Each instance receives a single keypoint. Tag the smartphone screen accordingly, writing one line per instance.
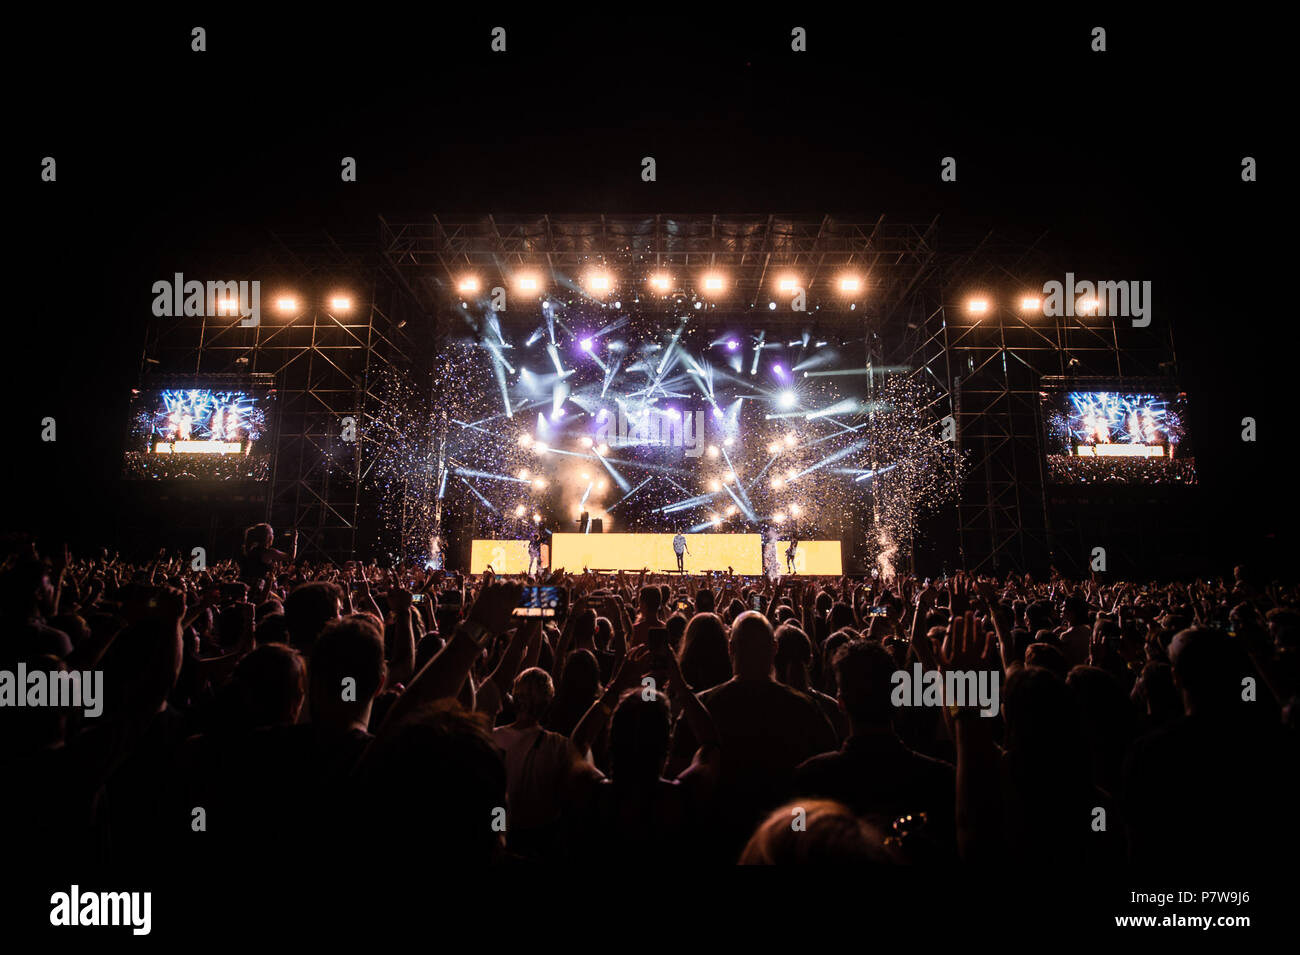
(539, 602)
(756, 601)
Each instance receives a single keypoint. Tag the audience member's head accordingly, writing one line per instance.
(705, 657)
(816, 832)
(346, 672)
(533, 693)
(753, 647)
(308, 609)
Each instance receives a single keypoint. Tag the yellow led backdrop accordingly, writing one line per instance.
(814, 558)
(506, 557)
(573, 552)
(634, 551)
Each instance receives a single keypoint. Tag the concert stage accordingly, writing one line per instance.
(633, 552)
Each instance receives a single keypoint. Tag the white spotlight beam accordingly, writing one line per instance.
(629, 494)
(758, 350)
(480, 496)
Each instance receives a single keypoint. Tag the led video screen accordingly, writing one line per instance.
(198, 433)
(1113, 437)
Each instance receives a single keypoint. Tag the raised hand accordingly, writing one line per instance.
(969, 648)
(495, 606)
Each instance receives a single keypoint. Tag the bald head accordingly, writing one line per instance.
(753, 646)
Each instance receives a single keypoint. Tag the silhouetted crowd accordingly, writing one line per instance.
(274, 711)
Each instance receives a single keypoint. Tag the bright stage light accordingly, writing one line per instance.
(602, 484)
(228, 306)
(539, 483)
(541, 447)
(341, 303)
(791, 474)
(599, 282)
(602, 449)
(525, 439)
(528, 283)
(715, 520)
(1088, 306)
(537, 518)
(771, 306)
(977, 306)
(779, 517)
(520, 511)
(731, 510)
(790, 440)
(523, 474)
(661, 281)
(787, 283)
(732, 344)
(786, 399)
(713, 451)
(286, 304)
(586, 476)
(796, 510)
(728, 441)
(774, 448)
(713, 283)
(715, 485)
(850, 283)
(1030, 304)
(776, 483)
(467, 284)
(588, 344)
(729, 477)
(586, 441)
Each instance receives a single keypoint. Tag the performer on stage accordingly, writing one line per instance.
(791, 550)
(436, 552)
(535, 551)
(681, 550)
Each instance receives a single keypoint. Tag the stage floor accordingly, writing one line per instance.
(632, 552)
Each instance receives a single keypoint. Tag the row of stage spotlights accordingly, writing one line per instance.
(601, 283)
(712, 283)
(1030, 303)
(288, 304)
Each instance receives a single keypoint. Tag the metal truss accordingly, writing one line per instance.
(321, 360)
(753, 249)
(989, 372)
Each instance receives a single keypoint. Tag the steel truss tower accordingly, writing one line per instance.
(321, 356)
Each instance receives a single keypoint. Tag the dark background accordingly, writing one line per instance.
(170, 161)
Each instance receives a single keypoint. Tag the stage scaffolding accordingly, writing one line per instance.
(910, 318)
(321, 360)
(989, 372)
